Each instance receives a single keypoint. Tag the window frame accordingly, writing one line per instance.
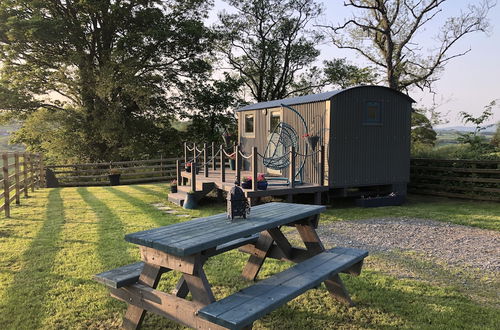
(370, 122)
(244, 132)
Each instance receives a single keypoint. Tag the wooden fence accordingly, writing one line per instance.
(470, 179)
(20, 173)
(96, 174)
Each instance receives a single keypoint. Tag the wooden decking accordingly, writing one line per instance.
(214, 177)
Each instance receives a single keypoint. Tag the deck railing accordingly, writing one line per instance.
(199, 160)
(470, 179)
(20, 173)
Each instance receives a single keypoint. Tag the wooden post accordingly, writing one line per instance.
(25, 174)
(18, 189)
(254, 168)
(238, 164)
(32, 173)
(291, 168)
(193, 176)
(205, 159)
(214, 161)
(178, 172)
(322, 166)
(42, 172)
(6, 185)
(185, 153)
(222, 164)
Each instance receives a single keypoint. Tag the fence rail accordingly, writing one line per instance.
(20, 173)
(470, 179)
(97, 174)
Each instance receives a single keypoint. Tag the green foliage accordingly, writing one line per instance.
(210, 103)
(339, 72)
(478, 144)
(103, 68)
(267, 44)
(422, 132)
(495, 141)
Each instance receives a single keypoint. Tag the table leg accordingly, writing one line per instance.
(336, 287)
(258, 255)
(199, 287)
(310, 237)
(134, 315)
(181, 289)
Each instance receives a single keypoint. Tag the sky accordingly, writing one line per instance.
(468, 83)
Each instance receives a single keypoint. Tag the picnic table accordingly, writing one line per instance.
(185, 247)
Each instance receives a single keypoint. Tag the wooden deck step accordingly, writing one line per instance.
(129, 274)
(244, 307)
(177, 198)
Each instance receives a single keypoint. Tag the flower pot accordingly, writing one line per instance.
(247, 184)
(190, 202)
(395, 200)
(114, 179)
(173, 189)
(232, 164)
(312, 141)
(262, 185)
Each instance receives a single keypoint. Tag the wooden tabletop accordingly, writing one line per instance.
(191, 237)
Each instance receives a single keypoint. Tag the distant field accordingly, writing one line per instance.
(5, 132)
(445, 137)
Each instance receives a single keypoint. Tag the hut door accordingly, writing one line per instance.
(274, 117)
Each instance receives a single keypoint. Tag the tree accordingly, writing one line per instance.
(267, 43)
(495, 141)
(106, 65)
(210, 102)
(384, 32)
(339, 72)
(422, 132)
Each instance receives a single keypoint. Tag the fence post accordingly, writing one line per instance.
(322, 166)
(25, 174)
(238, 164)
(42, 172)
(5, 159)
(185, 153)
(214, 161)
(254, 168)
(178, 172)
(193, 176)
(205, 159)
(291, 168)
(222, 164)
(32, 176)
(18, 192)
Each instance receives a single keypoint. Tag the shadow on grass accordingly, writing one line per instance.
(31, 284)
(384, 302)
(111, 247)
(157, 216)
(148, 191)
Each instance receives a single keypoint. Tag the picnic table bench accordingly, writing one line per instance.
(185, 247)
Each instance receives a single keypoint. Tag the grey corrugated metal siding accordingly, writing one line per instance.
(363, 155)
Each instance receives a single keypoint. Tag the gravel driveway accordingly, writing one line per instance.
(452, 244)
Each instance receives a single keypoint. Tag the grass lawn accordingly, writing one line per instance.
(58, 238)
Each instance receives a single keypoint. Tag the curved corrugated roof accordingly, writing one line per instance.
(310, 99)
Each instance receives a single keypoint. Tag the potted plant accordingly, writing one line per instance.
(114, 177)
(189, 166)
(261, 182)
(190, 202)
(393, 199)
(232, 161)
(312, 140)
(173, 186)
(247, 183)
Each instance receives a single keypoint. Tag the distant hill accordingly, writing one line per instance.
(5, 132)
(491, 129)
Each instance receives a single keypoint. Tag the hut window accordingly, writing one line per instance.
(373, 115)
(249, 124)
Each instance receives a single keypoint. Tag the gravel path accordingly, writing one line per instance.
(453, 244)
